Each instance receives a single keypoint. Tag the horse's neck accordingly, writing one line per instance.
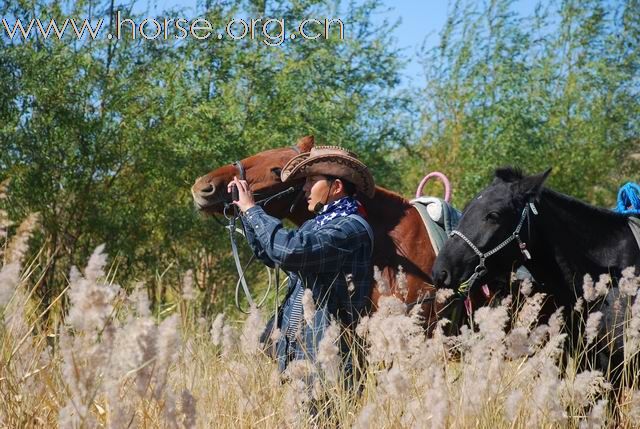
(576, 239)
(401, 240)
(386, 208)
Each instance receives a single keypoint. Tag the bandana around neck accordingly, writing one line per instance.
(338, 208)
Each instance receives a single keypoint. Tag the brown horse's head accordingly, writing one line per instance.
(262, 172)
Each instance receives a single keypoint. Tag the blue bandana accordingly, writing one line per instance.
(342, 207)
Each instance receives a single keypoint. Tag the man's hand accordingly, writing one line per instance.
(245, 196)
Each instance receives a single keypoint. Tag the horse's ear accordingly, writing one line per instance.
(531, 186)
(507, 174)
(305, 143)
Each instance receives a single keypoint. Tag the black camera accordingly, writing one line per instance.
(235, 195)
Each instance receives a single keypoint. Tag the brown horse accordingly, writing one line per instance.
(400, 238)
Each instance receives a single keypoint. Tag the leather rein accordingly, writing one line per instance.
(232, 214)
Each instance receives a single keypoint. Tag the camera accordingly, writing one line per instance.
(235, 195)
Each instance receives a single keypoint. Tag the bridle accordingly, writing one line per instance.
(232, 214)
(481, 269)
(229, 206)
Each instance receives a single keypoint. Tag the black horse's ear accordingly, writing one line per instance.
(508, 174)
(531, 186)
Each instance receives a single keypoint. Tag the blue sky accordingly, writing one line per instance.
(420, 20)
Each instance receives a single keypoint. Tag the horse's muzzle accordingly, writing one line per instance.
(442, 279)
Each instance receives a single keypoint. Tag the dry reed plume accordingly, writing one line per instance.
(110, 362)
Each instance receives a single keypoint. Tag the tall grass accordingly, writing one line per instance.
(106, 361)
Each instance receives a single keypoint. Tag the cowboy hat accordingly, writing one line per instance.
(331, 161)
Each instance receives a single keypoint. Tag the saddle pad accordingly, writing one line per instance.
(439, 217)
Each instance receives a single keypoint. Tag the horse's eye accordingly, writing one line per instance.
(276, 171)
(493, 216)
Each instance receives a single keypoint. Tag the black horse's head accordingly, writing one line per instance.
(488, 238)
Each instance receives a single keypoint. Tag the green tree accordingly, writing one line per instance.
(104, 137)
(558, 88)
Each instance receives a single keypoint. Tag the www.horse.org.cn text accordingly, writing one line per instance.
(270, 31)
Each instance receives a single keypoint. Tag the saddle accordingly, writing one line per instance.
(439, 217)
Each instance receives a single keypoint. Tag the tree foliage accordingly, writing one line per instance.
(104, 137)
(558, 88)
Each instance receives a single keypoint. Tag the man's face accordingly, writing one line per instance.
(316, 190)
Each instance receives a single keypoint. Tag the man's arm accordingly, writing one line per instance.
(255, 245)
(322, 250)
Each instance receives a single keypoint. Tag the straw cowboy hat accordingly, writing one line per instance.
(331, 161)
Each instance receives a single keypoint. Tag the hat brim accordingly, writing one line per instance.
(290, 166)
(331, 165)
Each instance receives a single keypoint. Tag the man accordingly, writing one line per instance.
(330, 254)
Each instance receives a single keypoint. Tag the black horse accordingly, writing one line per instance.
(516, 221)
(557, 238)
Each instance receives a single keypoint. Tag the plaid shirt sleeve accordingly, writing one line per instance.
(321, 250)
(254, 243)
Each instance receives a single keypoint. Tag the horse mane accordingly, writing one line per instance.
(386, 205)
(387, 195)
(514, 174)
(576, 205)
(511, 174)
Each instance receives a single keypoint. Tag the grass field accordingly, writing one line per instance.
(107, 361)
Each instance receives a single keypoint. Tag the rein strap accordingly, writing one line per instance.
(234, 247)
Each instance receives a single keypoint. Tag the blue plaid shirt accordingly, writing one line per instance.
(333, 260)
